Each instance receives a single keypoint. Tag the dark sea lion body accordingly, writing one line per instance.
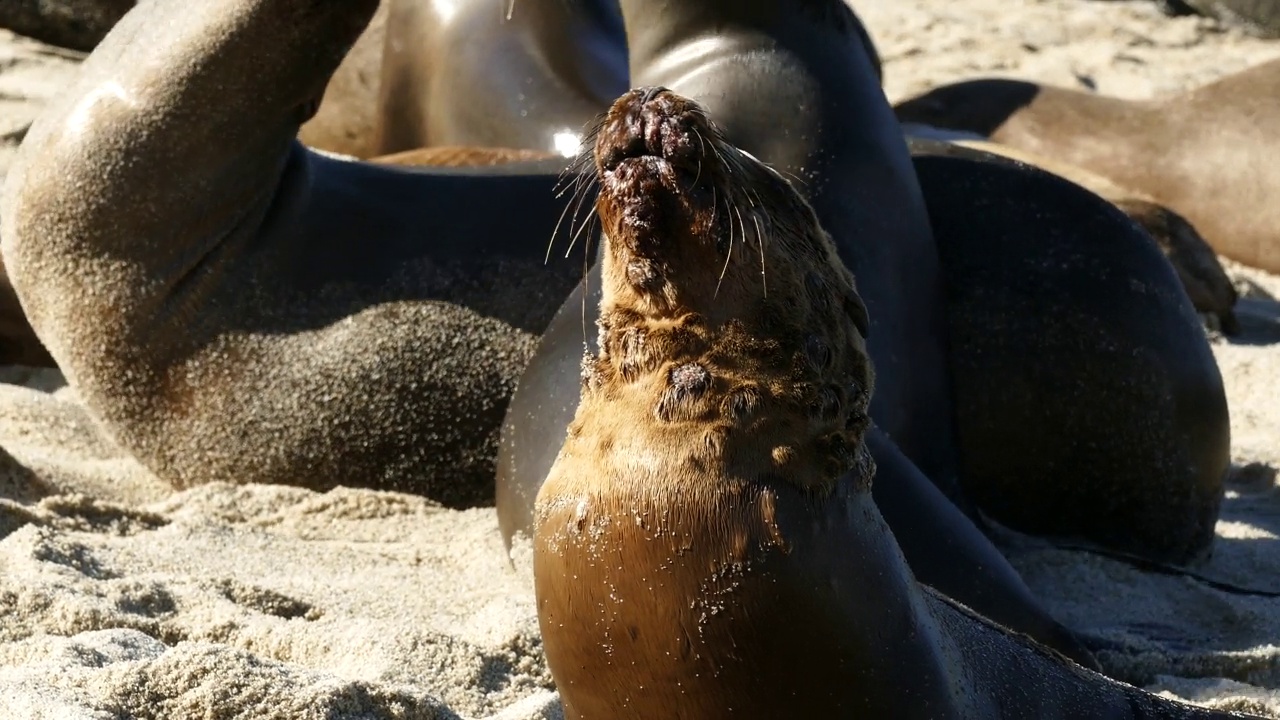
(1132, 450)
(232, 306)
(1204, 153)
(1202, 275)
(563, 62)
(706, 545)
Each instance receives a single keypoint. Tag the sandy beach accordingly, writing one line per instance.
(123, 598)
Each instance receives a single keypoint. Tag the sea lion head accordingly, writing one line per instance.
(725, 307)
(977, 106)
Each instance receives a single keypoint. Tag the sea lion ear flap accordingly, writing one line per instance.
(857, 312)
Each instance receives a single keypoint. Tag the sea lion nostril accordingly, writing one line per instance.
(818, 351)
(649, 93)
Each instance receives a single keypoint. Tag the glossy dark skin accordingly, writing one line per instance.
(562, 60)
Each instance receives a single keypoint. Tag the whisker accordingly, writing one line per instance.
(764, 281)
(556, 231)
(794, 177)
(586, 285)
(741, 225)
(586, 221)
(702, 152)
(579, 183)
(727, 257)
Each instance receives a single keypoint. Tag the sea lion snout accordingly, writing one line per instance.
(692, 223)
(651, 122)
(723, 299)
(655, 201)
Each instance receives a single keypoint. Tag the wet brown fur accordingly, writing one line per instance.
(715, 384)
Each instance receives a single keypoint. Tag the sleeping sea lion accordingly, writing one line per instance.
(1203, 153)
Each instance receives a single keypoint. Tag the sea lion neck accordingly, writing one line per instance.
(711, 51)
(563, 23)
(654, 28)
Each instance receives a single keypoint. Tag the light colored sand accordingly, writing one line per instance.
(122, 598)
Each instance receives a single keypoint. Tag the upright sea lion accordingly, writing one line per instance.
(758, 54)
(562, 62)
(966, 566)
(231, 306)
(1203, 153)
(706, 545)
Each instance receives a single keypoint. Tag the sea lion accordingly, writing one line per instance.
(761, 53)
(967, 566)
(563, 63)
(232, 306)
(706, 545)
(1202, 153)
